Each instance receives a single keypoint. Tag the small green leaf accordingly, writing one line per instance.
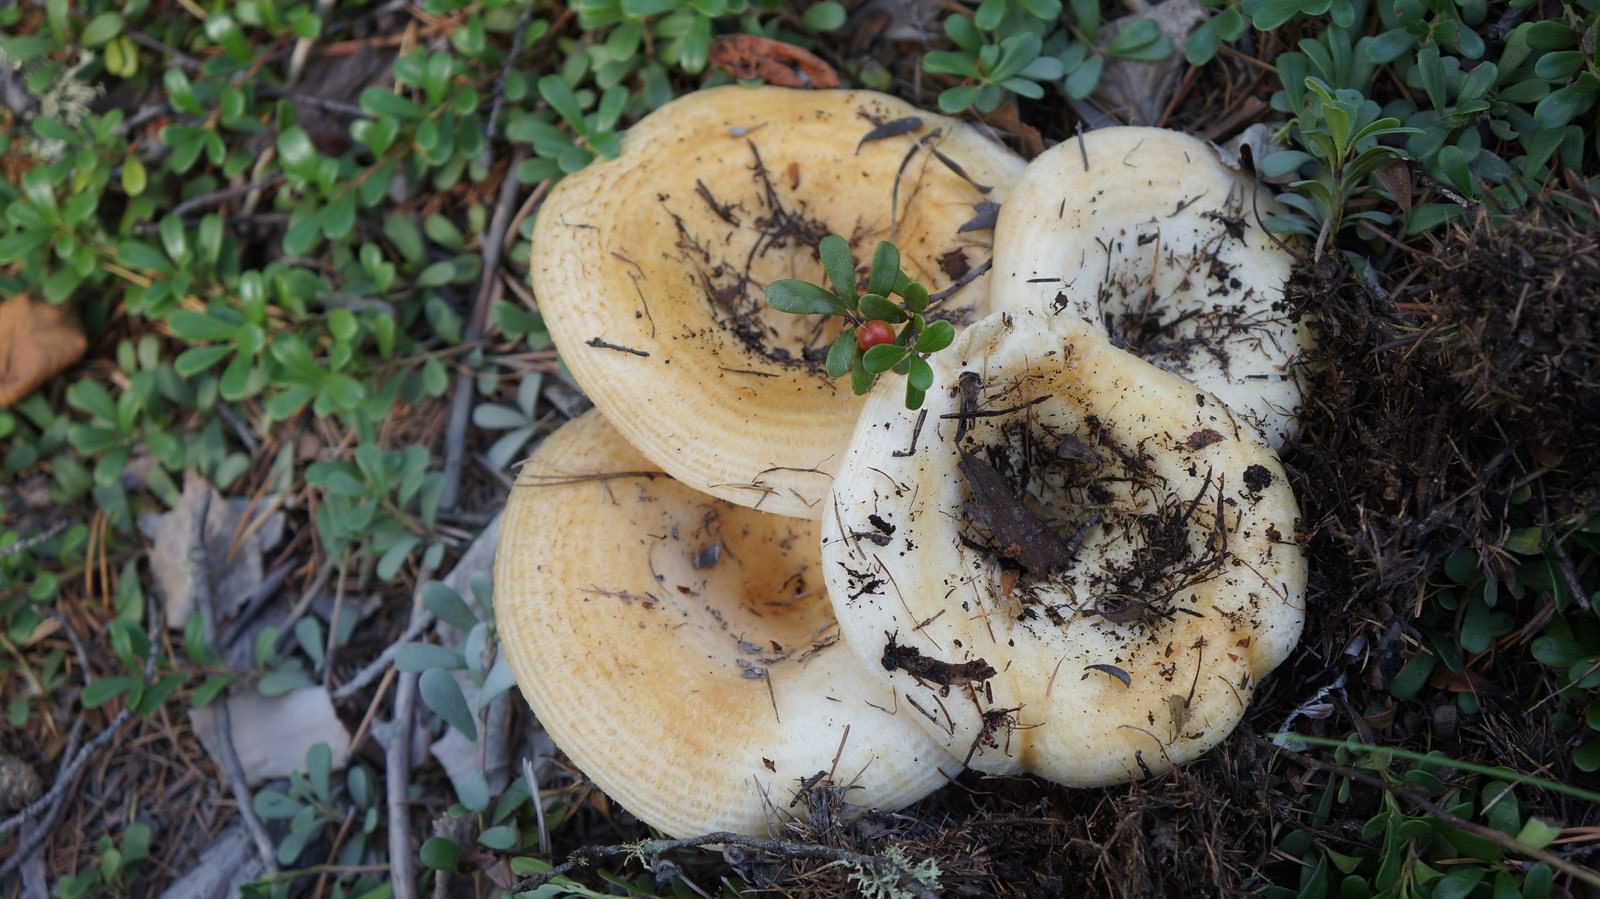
(921, 374)
(296, 151)
(501, 838)
(958, 99)
(1273, 13)
(440, 693)
(825, 16)
(345, 392)
(876, 307)
(1138, 33)
(559, 95)
(1564, 105)
(1525, 541)
(885, 269)
(319, 769)
(937, 336)
(1081, 82)
(207, 692)
(861, 379)
(882, 357)
(840, 265)
(802, 298)
(841, 353)
(1203, 44)
(102, 690)
(915, 295)
(448, 606)
(1409, 682)
(1536, 833)
(274, 805)
(1587, 756)
(103, 28)
(134, 178)
(440, 854)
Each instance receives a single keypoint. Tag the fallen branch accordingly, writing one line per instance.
(455, 438)
(420, 620)
(29, 542)
(228, 756)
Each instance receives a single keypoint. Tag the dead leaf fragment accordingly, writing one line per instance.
(37, 340)
(234, 574)
(1137, 91)
(271, 735)
(773, 61)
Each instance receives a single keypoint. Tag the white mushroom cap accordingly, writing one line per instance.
(651, 271)
(1088, 664)
(1146, 233)
(681, 650)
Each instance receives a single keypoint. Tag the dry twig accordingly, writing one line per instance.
(461, 402)
(228, 757)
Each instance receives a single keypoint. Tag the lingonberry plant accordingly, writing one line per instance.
(869, 344)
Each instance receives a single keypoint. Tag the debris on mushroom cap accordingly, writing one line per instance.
(651, 271)
(1146, 233)
(1088, 566)
(37, 340)
(681, 650)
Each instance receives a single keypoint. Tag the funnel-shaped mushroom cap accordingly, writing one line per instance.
(1146, 233)
(681, 650)
(651, 271)
(1088, 583)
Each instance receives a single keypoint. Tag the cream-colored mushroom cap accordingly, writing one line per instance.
(1146, 233)
(1089, 582)
(681, 650)
(651, 271)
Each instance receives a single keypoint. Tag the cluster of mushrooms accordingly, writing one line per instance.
(734, 580)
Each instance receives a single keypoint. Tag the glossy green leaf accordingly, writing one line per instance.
(801, 298)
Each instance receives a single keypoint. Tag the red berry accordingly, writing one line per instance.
(873, 333)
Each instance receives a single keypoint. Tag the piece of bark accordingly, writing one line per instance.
(1016, 533)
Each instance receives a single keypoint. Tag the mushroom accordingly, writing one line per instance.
(1146, 233)
(1087, 565)
(650, 271)
(681, 650)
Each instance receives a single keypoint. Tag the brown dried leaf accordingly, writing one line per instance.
(773, 61)
(1396, 179)
(1006, 119)
(37, 340)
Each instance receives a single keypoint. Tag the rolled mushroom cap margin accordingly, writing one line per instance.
(679, 649)
(650, 271)
(1146, 233)
(1139, 654)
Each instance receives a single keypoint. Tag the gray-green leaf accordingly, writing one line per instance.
(441, 694)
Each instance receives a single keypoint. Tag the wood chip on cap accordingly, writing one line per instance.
(1129, 641)
(1147, 234)
(651, 272)
(681, 650)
